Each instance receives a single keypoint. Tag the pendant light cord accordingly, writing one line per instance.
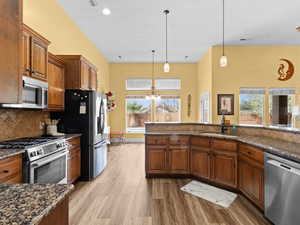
(153, 87)
(223, 27)
(166, 37)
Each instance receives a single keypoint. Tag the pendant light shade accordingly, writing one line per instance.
(223, 59)
(166, 65)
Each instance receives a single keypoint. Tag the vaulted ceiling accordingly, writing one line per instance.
(135, 27)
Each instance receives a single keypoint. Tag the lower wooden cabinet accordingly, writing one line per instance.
(251, 180)
(200, 162)
(74, 161)
(178, 160)
(163, 158)
(224, 168)
(11, 170)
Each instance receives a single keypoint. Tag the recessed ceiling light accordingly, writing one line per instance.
(94, 3)
(120, 57)
(106, 11)
(243, 39)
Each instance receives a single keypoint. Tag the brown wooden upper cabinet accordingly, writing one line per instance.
(56, 82)
(35, 54)
(80, 73)
(10, 45)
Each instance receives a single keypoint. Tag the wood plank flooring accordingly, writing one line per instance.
(123, 196)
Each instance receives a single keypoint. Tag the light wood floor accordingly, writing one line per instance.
(123, 196)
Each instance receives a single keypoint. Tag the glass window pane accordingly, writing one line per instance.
(135, 84)
(138, 111)
(251, 109)
(167, 110)
(167, 84)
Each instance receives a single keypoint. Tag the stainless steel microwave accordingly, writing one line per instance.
(34, 95)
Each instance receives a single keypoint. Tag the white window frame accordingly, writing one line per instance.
(136, 130)
(263, 93)
(204, 97)
(167, 89)
(138, 89)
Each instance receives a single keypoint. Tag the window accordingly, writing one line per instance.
(167, 109)
(138, 111)
(252, 106)
(282, 106)
(204, 108)
(138, 84)
(167, 84)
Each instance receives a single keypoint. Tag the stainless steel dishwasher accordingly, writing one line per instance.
(282, 190)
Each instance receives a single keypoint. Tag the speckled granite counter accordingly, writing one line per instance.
(6, 153)
(27, 204)
(289, 150)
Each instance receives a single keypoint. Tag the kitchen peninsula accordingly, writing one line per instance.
(201, 151)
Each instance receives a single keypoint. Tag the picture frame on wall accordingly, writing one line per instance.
(225, 104)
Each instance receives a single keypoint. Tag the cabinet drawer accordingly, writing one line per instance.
(179, 140)
(200, 141)
(10, 167)
(252, 152)
(157, 140)
(224, 145)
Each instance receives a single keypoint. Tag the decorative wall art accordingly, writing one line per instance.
(226, 104)
(286, 74)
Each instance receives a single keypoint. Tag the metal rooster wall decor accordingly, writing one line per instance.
(286, 75)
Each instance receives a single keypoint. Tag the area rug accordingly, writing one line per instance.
(210, 193)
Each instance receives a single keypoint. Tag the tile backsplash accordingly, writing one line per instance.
(17, 123)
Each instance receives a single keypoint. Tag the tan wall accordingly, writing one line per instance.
(204, 77)
(50, 20)
(119, 72)
(251, 66)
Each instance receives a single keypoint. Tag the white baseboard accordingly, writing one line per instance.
(128, 140)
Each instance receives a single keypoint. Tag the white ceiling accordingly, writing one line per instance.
(135, 27)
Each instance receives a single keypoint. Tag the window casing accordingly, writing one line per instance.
(252, 103)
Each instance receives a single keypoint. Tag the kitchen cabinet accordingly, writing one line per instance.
(11, 170)
(56, 82)
(80, 73)
(251, 174)
(35, 54)
(10, 45)
(167, 155)
(200, 157)
(74, 161)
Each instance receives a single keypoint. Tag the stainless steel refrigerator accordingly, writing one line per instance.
(85, 114)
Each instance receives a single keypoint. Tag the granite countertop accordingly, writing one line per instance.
(27, 204)
(289, 150)
(6, 153)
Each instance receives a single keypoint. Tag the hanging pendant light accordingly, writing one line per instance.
(166, 65)
(223, 59)
(153, 96)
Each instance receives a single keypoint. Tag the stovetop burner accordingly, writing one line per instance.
(25, 142)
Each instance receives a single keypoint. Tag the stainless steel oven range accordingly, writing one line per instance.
(45, 159)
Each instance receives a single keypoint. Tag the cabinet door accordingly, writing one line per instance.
(251, 180)
(10, 47)
(224, 168)
(178, 160)
(74, 165)
(85, 76)
(92, 79)
(56, 92)
(200, 163)
(39, 59)
(26, 54)
(157, 161)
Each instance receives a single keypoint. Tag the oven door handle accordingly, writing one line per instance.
(49, 159)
